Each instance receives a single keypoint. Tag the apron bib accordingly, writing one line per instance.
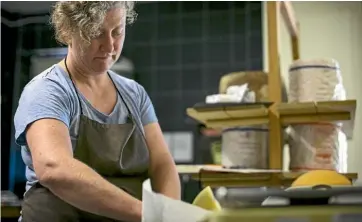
(118, 152)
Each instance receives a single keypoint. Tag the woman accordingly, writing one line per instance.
(90, 137)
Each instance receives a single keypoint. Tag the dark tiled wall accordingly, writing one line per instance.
(181, 49)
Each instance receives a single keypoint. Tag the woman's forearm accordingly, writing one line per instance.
(82, 187)
(165, 180)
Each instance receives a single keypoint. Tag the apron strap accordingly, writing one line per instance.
(77, 92)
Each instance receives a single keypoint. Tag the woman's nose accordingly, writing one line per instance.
(107, 44)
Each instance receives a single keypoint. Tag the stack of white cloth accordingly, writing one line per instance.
(242, 147)
(313, 146)
(234, 94)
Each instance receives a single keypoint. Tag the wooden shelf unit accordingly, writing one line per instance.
(216, 176)
(289, 113)
(278, 114)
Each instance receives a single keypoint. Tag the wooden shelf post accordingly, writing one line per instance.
(274, 87)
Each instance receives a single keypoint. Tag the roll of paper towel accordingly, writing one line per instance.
(315, 80)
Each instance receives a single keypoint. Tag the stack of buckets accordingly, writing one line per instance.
(324, 145)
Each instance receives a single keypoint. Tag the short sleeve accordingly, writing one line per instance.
(40, 99)
(147, 111)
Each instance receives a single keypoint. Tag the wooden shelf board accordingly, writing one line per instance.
(230, 116)
(289, 113)
(317, 107)
(319, 112)
(314, 118)
(237, 122)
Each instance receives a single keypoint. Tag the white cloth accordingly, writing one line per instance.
(159, 208)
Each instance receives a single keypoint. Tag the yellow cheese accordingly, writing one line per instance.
(321, 177)
(206, 200)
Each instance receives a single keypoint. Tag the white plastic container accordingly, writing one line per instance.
(315, 80)
(245, 148)
(317, 147)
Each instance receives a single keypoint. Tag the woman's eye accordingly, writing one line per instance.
(118, 32)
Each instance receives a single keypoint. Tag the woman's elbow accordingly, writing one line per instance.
(48, 172)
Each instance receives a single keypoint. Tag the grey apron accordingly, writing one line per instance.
(118, 152)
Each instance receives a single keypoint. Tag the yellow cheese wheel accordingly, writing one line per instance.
(206, 200)
(321, 177)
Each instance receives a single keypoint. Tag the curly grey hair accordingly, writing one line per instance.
(84, 17)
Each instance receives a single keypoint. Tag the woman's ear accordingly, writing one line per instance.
(69, 42)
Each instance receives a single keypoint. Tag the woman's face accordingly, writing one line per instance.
(105, 49)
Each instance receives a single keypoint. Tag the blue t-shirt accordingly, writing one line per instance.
(51, 94)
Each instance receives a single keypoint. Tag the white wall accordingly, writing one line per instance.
(332, 30)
